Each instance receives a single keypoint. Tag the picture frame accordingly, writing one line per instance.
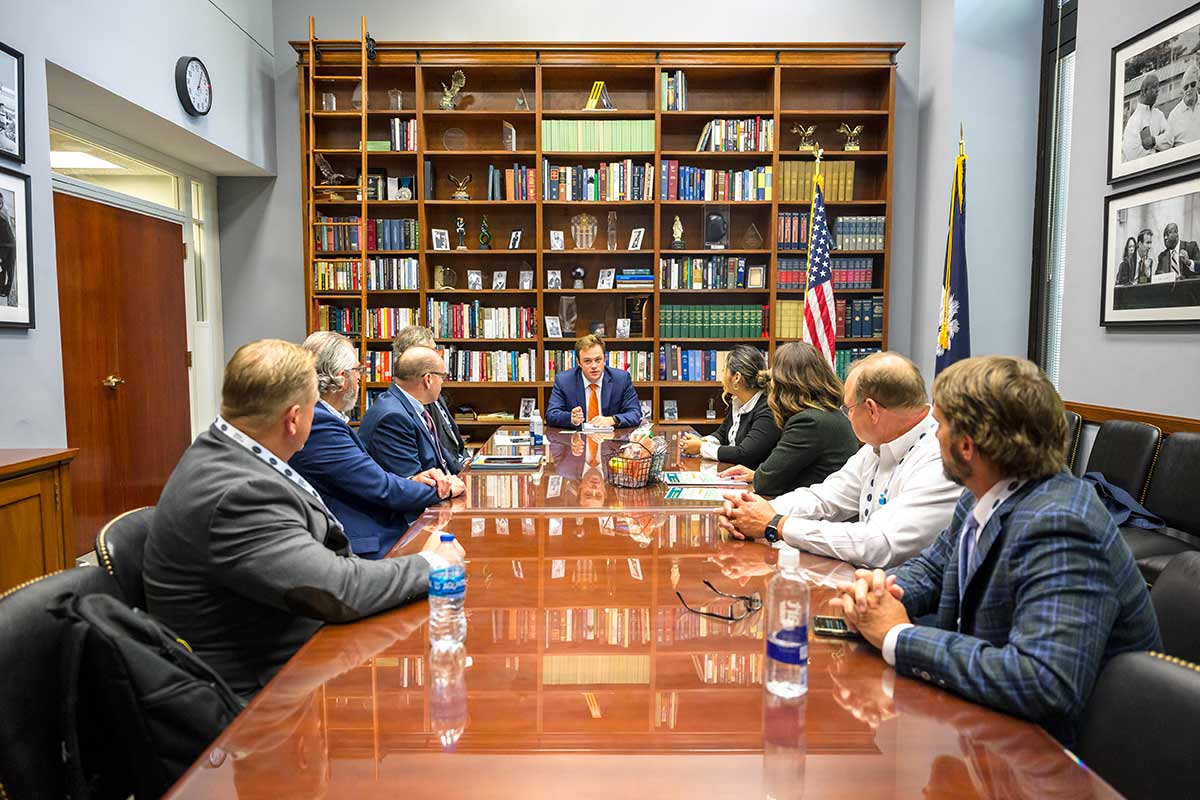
(670, 410)
(1147, 74)
(499, 280)
(441, 238)
(1148, 280)
(474, 280)
(527, 406)
(635, 238)
(597, 327)
(622, 328)
(553, 279)
(553, 328)
(525, 280)
(514, 239)
(607, 278)
(12, 104)
(16, 272)
(756, 277)
(647, 407)
(556, 240)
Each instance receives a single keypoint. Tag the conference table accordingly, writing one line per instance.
(585, 675)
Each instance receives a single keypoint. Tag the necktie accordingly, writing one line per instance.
(437, 440)
(966, 550)
(593, 452)
(428, 420)
(593, 402)
(1175, 261)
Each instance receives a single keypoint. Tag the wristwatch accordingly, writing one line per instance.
(772, 532)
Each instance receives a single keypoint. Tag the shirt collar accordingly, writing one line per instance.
(336, 413)
(599, 381)
(745, 408)
(898, 448)
(993, 498)
(414, 402)
(264, 455)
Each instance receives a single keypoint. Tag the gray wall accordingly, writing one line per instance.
(1156, 371)
(128, 49)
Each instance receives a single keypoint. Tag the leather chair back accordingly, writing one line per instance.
(120, 547)
(1124, 451)
(1138, 721)
(1176, 598)
(1171, 494)
(31, 691)
(1074, 432)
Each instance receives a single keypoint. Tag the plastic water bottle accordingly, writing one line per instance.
(537, 428)
(784, 747)
(447, 593)
(787, 628)
(448, 695)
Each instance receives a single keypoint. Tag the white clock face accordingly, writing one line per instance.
(199, 87)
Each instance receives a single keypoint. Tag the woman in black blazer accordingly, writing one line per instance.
(806, 397)
(749, 432)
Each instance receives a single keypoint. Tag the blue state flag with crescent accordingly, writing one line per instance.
(954, 323)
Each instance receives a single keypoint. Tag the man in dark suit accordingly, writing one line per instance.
(1180, 258)
(593, 392)
(1033, 588)
(374, 505)
(244, 561)
(398, 429)
(453, 442)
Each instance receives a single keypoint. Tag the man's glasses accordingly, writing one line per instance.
(747, 603)
(442, 375)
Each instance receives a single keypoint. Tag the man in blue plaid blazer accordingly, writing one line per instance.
(1033, 588)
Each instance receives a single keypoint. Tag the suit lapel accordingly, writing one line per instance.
(418, 419)
(606, 392)
(989, 540)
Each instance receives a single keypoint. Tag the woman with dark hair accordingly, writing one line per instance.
(1127, 272)
(805, 397)
(749, 431)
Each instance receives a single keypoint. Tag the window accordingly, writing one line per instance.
(198, 250)
(87, 161)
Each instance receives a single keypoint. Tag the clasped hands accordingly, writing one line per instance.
(447, 485)
(577, 418)
(871, 604)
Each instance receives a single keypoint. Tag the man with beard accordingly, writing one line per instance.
(1033, 587)
(373, 505)
(1183, 125)
(1179, 258)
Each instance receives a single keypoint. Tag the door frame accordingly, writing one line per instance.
(204, 337)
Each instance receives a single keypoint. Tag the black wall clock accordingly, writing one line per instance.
(193, 86)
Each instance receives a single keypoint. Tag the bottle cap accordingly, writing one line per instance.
(447, 537)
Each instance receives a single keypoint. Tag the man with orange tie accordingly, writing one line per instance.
(593, 392)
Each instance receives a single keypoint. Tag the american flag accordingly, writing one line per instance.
(818, 300)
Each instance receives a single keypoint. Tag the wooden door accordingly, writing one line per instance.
(124, 343)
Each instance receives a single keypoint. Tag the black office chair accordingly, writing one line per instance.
(1138, 721)
(31, 691)
(1124, 453)
(1170, 496)
(1176, 598)
(1074, 433)
(120, 546)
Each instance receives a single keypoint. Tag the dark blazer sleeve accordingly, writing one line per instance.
(758, 443)
(629, 410)
(558, 410)
(721, 434)
(798, 447)
(394, 444)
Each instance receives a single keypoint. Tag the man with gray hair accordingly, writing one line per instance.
(374, 505)
(1183, 125)
(398, 429)
(452, 439)
(1145, 132)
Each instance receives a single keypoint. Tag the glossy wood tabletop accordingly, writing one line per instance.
(586, 677)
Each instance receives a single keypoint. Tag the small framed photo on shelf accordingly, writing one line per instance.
(499, 280)
(514, 239)
(607, 278)
(597, 328)
(556, 240)
(441, 239)
(526, 279)
(554, 279)
(756, 277)
(670, 409)
(377, 184)
(527, 406)
(508, 135)
(474, 280)
(16, 270)
(553, 328)
(635, 238)
(647, 408)
(623, 328)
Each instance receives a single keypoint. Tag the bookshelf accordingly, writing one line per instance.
(775, 85)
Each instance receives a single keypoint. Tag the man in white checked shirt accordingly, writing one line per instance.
(894, 484)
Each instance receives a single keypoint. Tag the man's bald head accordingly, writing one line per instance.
(415, 363)
(891, 380)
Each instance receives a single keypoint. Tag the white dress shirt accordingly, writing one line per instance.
(710, 444)
(992, 499)
(900, 495)
(1183, 125)
(336, 413)
(1143, 116)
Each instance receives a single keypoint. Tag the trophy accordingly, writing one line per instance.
(711, 413)
(460, 187)
(753, 240)
(851, 134)
(806, 136)
(460, 227)
(485, 238)
(457, 81)
(716, 230)
(611, 241)
(578, 274)
(329, 175)
(583, 231)
(677, 234)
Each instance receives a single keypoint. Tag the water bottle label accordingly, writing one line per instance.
(789, 645)
(448, 582)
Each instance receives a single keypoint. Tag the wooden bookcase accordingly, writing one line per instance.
(815, 84)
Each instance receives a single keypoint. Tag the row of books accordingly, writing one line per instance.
(382, 323)
(712, 321)
(848, 273)
(677, 624)
(699, 183)
(634, 279)
(620, 627)
(859, 318)
(789, 319)
(792, 230)
(517, 182)
(711, 272)
(859, 232)
(338, 238)
(638, 363)
(674, 91)
(337, 276)
(473, 321)
(844, 358)
(729, 669)
(500, 491)
(576, 670)
(379, 366)
(490, 365)
(677, 363)
(347, 321)
(403, 133)
(598, 135)
(513, 625)
(381, 186)
(796, 181)
(611, 181)
(693, 530)
(383, 274)
(753, 135)
(393, 234)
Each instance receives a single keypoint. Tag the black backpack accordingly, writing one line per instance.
(138, 706)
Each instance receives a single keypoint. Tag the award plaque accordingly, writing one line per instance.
(460, 227)
(583, 231)
(444, 278)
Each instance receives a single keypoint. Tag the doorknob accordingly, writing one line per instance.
(112, 382)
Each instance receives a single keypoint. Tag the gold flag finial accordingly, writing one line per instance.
(962, 143)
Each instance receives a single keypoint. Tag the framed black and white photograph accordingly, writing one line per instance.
(556, 240)
(1154, 119)
(554, 279)
(527, 405)
(499, 279)
(526, 279)
(474, 280)
(635, 238)
(607, 278)
(671, 409)
(514, 239)
(16, 248)
(12, 104)
(622, 327)
(1152, 256)
(553, 328)
(441, 239)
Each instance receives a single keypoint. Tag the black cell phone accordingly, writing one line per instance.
(833, 626)
(503, 460)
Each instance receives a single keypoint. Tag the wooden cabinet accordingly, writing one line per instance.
(36, 526)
